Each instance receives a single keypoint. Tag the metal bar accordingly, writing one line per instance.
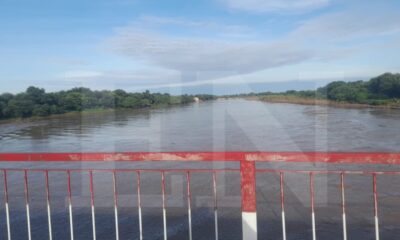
(124, 156)
(71, 223)
(282, 191)
(116, 206)
(163, 205)
(249, 201)
(48, 205)
(153, 170)
(375, 207)
(312, 206)
(325, 172)
(189, 199)
(310, 157)
(215, 204)
(92, 204)
(139, 205)
(6, 204)
(315, 172)
(343, 206)
(28, 216)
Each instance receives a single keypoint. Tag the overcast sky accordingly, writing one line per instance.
(208, 45)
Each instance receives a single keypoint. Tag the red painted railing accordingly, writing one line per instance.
(247, 171)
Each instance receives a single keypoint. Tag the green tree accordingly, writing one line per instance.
(20, 106)
(105, 99)
(2, 108)
(145, 103)
(41, 110)
(72, 101)
(6, 97)
(386, 85)
(36, 102)
(119, 96)
(36, 95)
(130, 102)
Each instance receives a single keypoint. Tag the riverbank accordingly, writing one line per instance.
(87, 112)
(37, 102)
(291, 99)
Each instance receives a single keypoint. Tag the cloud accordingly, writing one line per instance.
(262, 6)
(348, 25)
(312, 40)
(181, 56)
(156, 20)
(193, 27)
(205, 54)
(81, 74)
(143, 76)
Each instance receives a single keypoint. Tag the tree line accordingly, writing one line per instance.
(379, 90)
(383, 89)
(37, 102)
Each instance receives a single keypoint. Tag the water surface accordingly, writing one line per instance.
(223, 125)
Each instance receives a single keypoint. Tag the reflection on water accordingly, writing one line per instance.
(235, 125)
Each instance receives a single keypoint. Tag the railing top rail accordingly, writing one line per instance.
(299, 157)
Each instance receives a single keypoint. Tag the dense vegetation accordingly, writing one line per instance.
(381, 90)
(36, 102)
(384, 89)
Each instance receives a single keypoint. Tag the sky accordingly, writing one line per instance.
(183, 46)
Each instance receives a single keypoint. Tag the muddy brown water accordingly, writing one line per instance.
(223, 125)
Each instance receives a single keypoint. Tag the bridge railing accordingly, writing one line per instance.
(247, 170)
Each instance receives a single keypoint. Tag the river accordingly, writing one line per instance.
(222, 125)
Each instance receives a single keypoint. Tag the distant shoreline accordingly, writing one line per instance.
(316, 102)
(36, 102)
(86, 112)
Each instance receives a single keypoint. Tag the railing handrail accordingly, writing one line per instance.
(248, 171)
(297, 157)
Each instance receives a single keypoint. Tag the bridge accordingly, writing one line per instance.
(247, 167)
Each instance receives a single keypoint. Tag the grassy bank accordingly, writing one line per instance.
(380, 92)
(293, 99)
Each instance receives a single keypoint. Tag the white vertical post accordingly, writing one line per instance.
(6, 205)
(92, 205)
(139, 205)
(163, 205)
(116, 206)
(249, 210)
(189, 196)
(283, 206)
(28, 216)
(48, 205)
(215, 205)
(314, 234)
(343, 207)
(376, 207)
(71, 223)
